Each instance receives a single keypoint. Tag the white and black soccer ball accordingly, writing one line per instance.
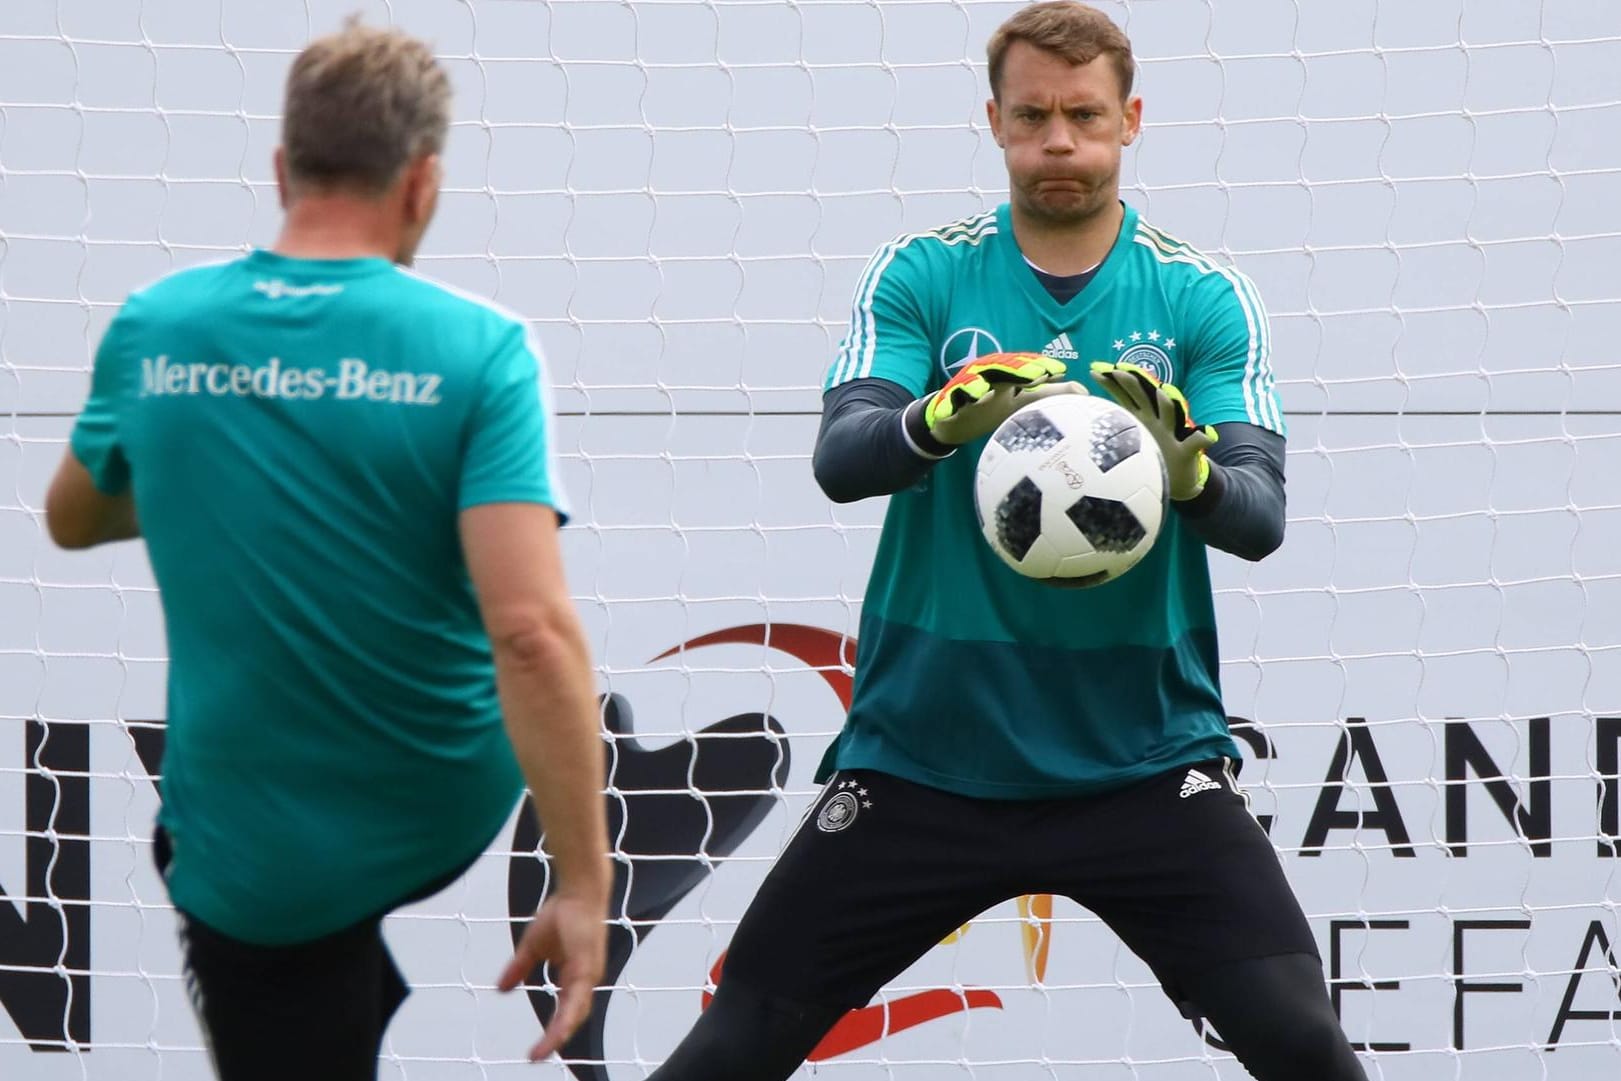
(1071, 490)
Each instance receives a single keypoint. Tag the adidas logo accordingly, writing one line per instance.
(1197, 782)
(1060, 349)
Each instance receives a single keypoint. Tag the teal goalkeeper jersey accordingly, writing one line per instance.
(970, 677)
(299, 437)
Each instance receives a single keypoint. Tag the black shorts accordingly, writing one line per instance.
(882, 869)
(315, 1009)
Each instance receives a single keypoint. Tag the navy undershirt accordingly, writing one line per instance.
(1063, 287)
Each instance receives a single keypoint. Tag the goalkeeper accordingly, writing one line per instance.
(1006, 737)
(343, 478)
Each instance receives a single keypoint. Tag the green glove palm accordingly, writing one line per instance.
(1163, 410)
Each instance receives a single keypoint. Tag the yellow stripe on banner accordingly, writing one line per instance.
(1036, 910)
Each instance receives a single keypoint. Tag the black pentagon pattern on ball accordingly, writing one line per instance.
(1029, 429)
(1018, 518)
(1115, 437)
(1107, 523)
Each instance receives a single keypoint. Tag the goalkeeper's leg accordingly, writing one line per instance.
(1275, 1014)
(1178, 867)
(748, 1035)
(880, 870)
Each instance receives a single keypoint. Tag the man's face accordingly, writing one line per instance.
(1061, 128)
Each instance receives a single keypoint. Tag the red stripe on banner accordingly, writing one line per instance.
(868, 1025)
(830, 653)
(858, 1028)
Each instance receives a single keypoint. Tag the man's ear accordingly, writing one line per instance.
(993, 113)
(1131, 121)
(279, 159)
(422, 186)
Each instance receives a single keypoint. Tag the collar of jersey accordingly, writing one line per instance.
(1019, 270)
(274, 262)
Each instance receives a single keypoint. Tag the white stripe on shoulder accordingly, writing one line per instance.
(1260, 401)
(554, 477)
(462, 294)
(212, 264)
(855, 356)
(1167, 255)
(489, 305)
(860, 345)
(857, 327)
(1266, 387)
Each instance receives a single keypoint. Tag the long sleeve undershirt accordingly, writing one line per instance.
(862, 450)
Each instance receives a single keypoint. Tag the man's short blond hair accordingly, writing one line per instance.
(361, 103)
(1076, 32)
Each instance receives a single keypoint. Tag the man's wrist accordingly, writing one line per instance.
(591, 885)
(1207, 499)
(918, 437)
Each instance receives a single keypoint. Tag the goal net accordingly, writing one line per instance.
(680, 195)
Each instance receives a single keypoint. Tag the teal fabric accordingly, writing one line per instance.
(299, 437)
(975, 679)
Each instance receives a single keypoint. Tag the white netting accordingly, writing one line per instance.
(680, 195)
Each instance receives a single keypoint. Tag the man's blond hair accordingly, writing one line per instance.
(1075, 32)
(361, 103)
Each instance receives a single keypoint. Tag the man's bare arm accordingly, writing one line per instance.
(79, 515)
(547, 690)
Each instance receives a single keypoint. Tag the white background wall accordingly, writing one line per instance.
(681, 195)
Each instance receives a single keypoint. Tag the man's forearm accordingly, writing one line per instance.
(548, 698)
(862, 447)
(1241, 510)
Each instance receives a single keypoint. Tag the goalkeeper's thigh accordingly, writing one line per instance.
(1275, 1014)
(746, 1035)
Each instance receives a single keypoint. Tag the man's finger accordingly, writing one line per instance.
(1026, 395)
(1026, 373)
(1146, 389)
(1180, 421)
(514, 973)
(536, 945)
(1126, 390)
(966, 394)
(573, 1006)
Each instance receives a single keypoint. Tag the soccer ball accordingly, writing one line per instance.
(1071, 490)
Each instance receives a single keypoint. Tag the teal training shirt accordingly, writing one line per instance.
(970, 677)
(299, 437)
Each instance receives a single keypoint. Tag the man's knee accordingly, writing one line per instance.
(747, 1035)
(1311, 1045)
(1275, 1014)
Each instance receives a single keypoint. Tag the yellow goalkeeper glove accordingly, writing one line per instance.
(983, 394)
(1164, 412)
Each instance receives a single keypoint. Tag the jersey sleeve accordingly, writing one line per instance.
(1229, 374)
(96, 441)
(508, 456)
(888, 335)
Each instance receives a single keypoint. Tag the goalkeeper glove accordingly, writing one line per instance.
(1163, 410)
(983, 394)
